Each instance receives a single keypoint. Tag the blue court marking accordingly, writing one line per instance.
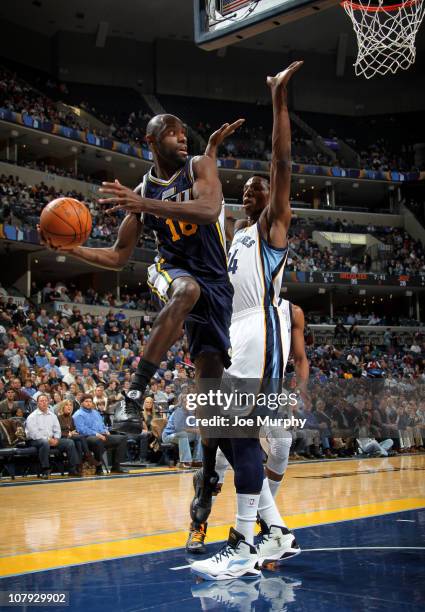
(358, 577)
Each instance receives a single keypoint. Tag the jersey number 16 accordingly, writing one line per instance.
(187, 229)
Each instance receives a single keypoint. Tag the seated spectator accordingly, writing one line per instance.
(149, 411)
(100, 401)
(89, 384)
(89, 423)
(104, 364)
(41, 358)
(113, 392)
(69, 430)
(21, 395)
(178, 432)
(8, 405)
(19, 360)
(43, 431)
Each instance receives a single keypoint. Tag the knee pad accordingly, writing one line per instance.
(277, 450)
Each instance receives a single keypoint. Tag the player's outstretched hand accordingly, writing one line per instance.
(220, 135)
(124, 197)
(282, 78)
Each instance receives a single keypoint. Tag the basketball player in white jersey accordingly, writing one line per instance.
(256, 261)
(275, 442)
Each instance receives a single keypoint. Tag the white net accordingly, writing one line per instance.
(385, 34)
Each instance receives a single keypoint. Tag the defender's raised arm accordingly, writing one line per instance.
(277, 217)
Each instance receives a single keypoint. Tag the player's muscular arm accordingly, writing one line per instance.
(277, 216)
(298, 348)
(214, 141)
(116, 256)
(203, 209)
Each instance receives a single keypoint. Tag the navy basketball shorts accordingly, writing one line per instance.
(207, 326)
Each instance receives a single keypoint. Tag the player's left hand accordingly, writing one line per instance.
(281, 80)
(227, 129)
(125, 198)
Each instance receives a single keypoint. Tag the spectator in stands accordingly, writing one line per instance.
(69, 430)
(100, 401)
(8, 405)
(19, 360)
(104, 364)
(89, 423)
(177, 431)
(44, 433)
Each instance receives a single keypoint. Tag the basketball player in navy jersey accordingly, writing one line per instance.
(180, 199)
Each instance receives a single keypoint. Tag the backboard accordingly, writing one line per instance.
(219, 23)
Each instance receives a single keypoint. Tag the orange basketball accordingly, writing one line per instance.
(65, 222)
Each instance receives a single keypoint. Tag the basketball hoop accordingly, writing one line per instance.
(385, 34)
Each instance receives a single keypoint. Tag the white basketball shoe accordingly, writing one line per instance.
(237, 559)
(237, 594)
(275, 545)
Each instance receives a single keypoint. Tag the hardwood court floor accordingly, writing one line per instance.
(52, 524)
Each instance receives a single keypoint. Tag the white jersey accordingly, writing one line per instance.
(259, 328)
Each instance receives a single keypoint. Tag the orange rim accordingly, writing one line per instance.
(377, 9)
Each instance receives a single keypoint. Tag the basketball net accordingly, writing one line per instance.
(385, 34)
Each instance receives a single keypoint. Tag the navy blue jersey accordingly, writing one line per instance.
(199, 249)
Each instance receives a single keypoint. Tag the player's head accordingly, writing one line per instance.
(167, 138)
(256, 194)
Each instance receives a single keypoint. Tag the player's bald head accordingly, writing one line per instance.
(160, 122)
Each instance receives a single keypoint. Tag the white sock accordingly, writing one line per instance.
(267, 508)
(274, 486)
(246, 515)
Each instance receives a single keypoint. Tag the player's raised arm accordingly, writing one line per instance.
(214, 141)
(277, 217)
(116, 256)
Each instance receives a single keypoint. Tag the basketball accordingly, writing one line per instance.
(65, 222)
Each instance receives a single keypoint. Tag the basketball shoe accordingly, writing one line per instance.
(231, 595)
(237, 559)
(196, 538)
(278, 591)
(275, 545)
(132, 403)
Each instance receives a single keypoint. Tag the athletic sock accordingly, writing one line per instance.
(267, 508)
(274, 486)
(246, 515)
(145, 371)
